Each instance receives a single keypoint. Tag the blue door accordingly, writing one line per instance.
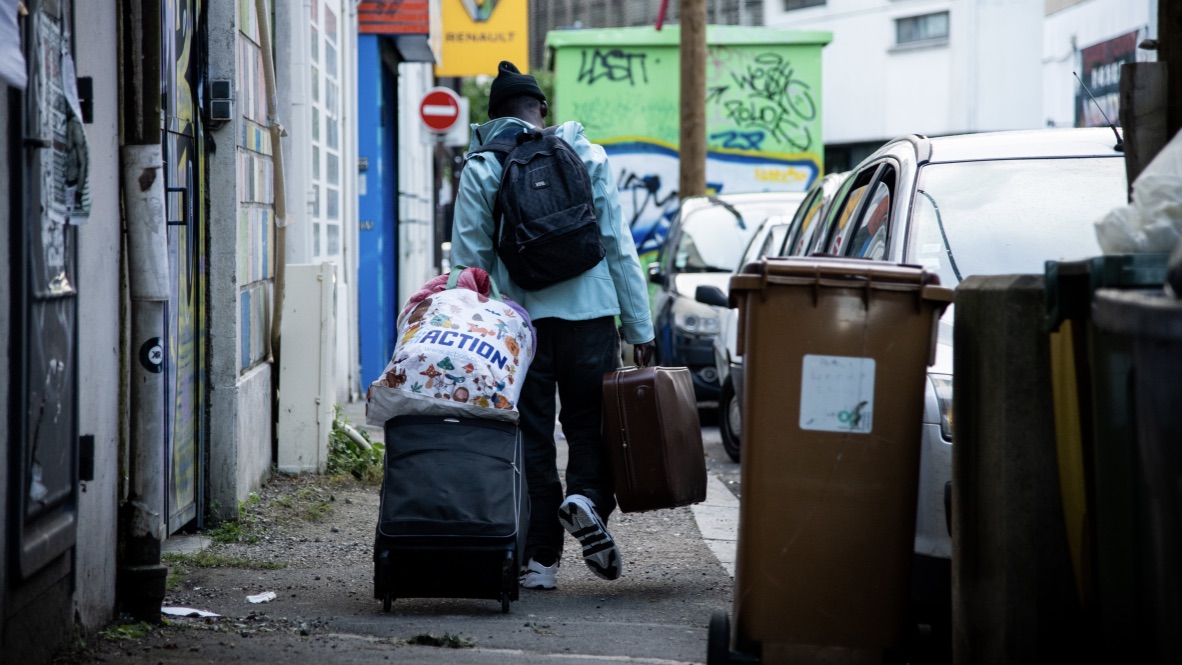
(377, 207)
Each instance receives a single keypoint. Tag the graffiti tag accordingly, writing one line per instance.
(651, 213)
(765, 98)
(740, 140)
(614, 65)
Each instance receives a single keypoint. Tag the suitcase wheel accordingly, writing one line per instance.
(383, 578)
(509, 582)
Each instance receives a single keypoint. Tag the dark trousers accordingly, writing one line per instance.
(572, 356)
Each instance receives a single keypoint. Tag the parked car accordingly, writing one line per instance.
(990, 203)
(703, 247)
(771, 240)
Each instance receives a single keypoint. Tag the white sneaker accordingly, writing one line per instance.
(536, 576)
(600, 553)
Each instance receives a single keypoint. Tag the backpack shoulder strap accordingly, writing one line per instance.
(500, 146)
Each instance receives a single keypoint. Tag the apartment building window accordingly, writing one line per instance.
(789, 5)
(922, 30)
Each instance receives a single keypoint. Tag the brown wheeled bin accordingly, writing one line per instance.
(835, 355)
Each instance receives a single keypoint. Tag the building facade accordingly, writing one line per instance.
(920, 66)
(397, 243)
(83, 86)
(940, 67)
(1092, 38)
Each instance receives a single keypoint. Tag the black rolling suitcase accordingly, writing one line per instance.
(454, 510)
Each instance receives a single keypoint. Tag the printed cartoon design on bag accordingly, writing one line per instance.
(441, 320)
(415, 321)
(396, 379)
(484, 332)
(458, 353)
(430, 373)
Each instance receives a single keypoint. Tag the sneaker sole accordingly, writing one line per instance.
(538, 586)
(599, 549)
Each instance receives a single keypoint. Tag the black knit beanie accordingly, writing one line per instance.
(510, 83)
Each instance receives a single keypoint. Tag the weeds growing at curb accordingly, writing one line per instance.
(127, 631)
(244, 529)
(212, 559)
(346, 456)
(176, 575)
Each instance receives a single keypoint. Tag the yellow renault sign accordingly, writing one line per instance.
(479, 34)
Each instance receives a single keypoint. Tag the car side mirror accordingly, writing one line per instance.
(654, 273)
(711, 295)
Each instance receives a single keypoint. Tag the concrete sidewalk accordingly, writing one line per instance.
(314, 552)
(717, 517)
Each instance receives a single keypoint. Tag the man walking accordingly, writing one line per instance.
(577, 340)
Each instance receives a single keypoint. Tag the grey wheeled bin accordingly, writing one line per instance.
(1150, 323)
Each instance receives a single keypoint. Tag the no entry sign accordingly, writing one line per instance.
(440, 109)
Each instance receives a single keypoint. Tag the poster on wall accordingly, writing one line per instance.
(63, 164)
(1100, 72)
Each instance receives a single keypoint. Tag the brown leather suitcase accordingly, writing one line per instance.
(651, 429)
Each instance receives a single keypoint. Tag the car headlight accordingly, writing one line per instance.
(942, 383)
(692, 317)
(692, 323)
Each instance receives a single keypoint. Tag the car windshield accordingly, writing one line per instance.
(712, 240)
(1011, 216)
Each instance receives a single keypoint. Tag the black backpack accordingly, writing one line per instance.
(544, 217)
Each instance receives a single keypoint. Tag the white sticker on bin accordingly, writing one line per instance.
(837, 394)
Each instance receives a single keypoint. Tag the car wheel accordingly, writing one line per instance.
(730, 419)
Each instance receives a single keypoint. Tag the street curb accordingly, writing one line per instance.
(718, 521)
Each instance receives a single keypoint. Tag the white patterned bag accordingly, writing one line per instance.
(459, 353)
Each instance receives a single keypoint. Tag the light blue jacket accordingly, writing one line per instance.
(616, 286)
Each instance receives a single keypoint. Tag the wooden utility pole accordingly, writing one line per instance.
(1169, 51)
(1143, 110)
(1151, 94)
(692, 140)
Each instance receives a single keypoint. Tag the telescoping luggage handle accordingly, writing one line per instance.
(454, 278)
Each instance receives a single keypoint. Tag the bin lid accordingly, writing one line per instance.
(1145, 313)
(1070, 284)
(838, 272)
